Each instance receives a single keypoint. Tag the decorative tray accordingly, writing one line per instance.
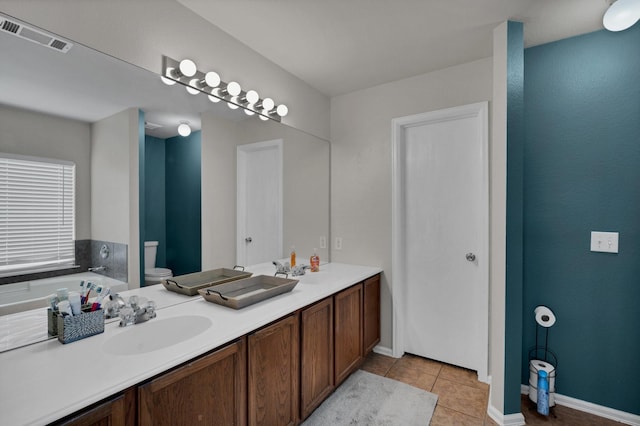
(189, 284)
(241, 293)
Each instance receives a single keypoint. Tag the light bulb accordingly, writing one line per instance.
(234, 88)
(249, 112)
(212, 79)
(191, 88)
(167, 81)
(214, 99)
(621, 15)
(188, 68)
(268, 104)
(184, 129)
(262, 117)
(232, 105)
(282, 110)
(252, 97)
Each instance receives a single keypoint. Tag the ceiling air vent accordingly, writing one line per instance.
(34, 35)
(151, 126)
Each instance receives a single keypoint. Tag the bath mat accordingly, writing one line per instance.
(369, 399)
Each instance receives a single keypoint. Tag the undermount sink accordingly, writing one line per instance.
(156, 334)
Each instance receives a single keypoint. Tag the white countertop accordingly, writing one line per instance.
(47, 381)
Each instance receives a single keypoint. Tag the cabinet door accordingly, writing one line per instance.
(109, 413)
(348, 331)
(273, 374)
(371, 308)
(208, 391)
(316, 355)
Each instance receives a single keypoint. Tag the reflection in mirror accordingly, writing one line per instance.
(90, 108)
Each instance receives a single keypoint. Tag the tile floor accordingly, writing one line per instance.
(462, 399)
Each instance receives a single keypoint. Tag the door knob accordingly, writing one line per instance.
(248, 239)
(470, 257)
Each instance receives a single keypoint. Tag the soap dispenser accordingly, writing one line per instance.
(314, 261)
(292, 260)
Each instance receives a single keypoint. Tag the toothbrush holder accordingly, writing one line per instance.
(77, 327)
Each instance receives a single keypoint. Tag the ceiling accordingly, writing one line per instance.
(339, 46)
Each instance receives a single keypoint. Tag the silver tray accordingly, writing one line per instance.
(241, 293)
(189, 284)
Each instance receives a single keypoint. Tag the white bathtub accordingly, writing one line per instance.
(27, 295)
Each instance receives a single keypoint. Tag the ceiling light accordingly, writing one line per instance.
(282, 110)
(212, 79)
(621, 15)
(184, 129)
(188, 68)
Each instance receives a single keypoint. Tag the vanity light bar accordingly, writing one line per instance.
(186, 73)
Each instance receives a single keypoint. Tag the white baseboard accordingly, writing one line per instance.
(496, 415)
(383, 350)
(591, 408)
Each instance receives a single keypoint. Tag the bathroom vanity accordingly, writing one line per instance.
(270, 363)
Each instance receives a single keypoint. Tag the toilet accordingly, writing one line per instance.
(153, 275)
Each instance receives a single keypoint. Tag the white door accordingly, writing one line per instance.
(259, 203)
(441, 235)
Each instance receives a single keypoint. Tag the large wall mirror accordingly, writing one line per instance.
(137, 180)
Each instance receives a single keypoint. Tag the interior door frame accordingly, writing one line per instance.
(241, 198)
(398, 276)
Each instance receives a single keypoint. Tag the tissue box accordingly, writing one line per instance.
(72, 328)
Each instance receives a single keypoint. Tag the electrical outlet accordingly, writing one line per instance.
(323, 242)
(338, 243)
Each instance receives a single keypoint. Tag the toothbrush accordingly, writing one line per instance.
(85, 297)
(102, 292)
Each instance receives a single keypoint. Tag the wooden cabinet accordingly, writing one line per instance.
(273, 374)
(210, 390)
(117, 411)
(316, 355)
(371, 314)
(348, 331)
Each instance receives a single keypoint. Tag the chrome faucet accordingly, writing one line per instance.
(136, 312)
(97, 268)
(281, 269)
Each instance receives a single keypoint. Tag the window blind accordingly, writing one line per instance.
(37, 214)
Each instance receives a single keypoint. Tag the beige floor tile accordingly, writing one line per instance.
(424, 365)
(378, 364)
(462, 398)
(447, 417)
(410, 375)
(462, 376)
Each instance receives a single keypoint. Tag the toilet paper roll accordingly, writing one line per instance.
(544, 316)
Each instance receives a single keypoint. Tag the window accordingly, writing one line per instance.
(37, 214)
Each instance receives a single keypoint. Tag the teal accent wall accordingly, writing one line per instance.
(514, 259)
(582, 173)
(183, 200)
(154, 197)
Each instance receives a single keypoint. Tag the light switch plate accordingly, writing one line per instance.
(604, 241)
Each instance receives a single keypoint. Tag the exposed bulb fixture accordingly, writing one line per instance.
(622, 14)
(268, 104)
(193, 86)
(282, 110)
(188, 68)
(166, 80)
(212, 79)
(252, 97)
(184, 129)
(186, 73)
(233, 88)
